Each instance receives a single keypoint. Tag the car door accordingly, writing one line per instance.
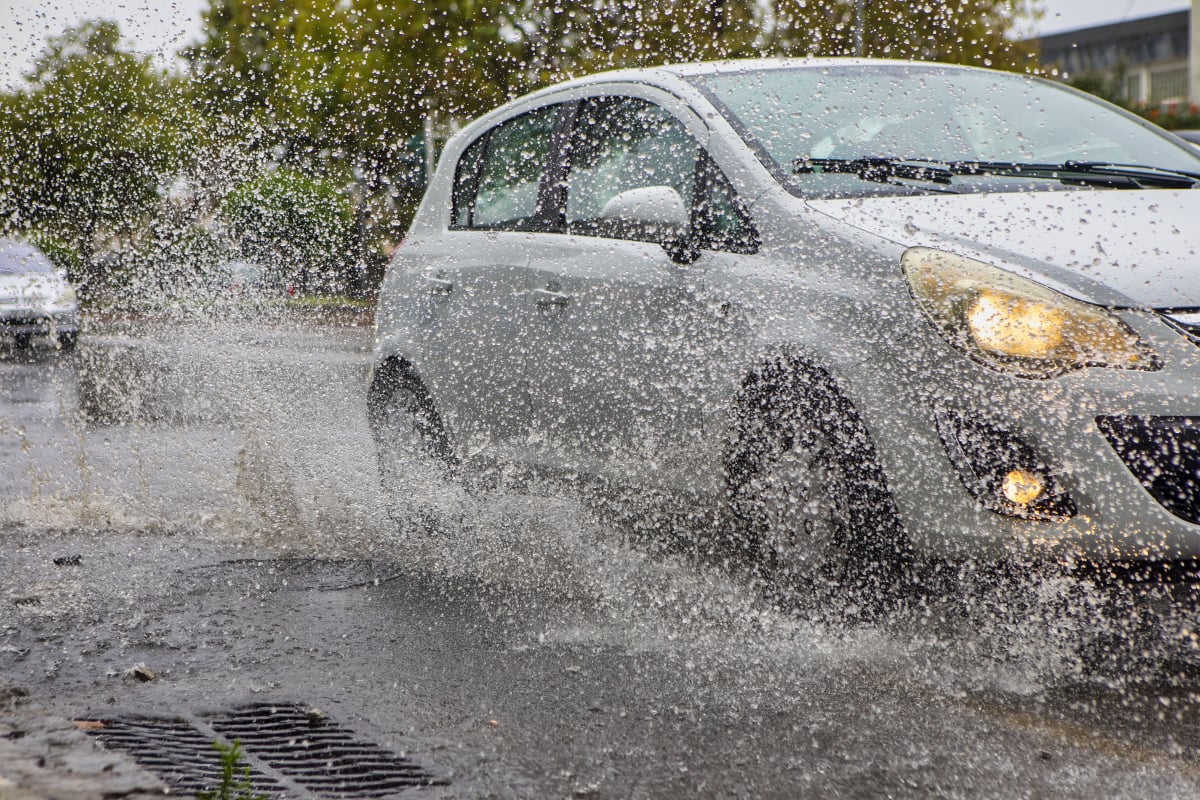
(474, 283)
(627, 340)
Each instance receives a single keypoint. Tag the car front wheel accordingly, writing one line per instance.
(810, 498)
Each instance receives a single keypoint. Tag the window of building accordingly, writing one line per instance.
(1168, 84)
(1131, 88)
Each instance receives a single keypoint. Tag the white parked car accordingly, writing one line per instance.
(35, 298)
(861, 310)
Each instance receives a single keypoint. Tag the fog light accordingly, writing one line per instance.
(1022, 487)
(1001, 470)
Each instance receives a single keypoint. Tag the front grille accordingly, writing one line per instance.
(1163, 453)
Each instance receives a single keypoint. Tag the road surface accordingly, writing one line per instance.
(191, 525)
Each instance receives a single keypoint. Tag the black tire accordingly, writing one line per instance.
(809, 497)
(411, 445)
(67, 341)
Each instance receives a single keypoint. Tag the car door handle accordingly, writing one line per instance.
(439, 286)
(548, 299)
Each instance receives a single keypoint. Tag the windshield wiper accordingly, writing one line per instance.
(883, 169)
(880, 169)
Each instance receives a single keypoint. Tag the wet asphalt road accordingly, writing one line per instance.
(199, 498)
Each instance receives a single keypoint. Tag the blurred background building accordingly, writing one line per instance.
(1151, 61)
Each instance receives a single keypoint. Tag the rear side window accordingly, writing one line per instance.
(497, 183)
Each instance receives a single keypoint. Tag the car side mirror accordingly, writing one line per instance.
(657, 214)
(660, 206)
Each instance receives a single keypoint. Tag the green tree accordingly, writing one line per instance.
(297, 227)
(342, 87)
(274, 67)
(89, 140)
(977, 32)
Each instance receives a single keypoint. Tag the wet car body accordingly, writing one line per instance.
(35, 298)
(788, 343)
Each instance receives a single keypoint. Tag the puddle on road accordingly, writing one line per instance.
(294, 574)
(177, 432)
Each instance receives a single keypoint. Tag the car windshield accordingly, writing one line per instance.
(22, 259)
(925, 112)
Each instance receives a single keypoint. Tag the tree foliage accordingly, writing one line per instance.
(90, 139)
(297, 227)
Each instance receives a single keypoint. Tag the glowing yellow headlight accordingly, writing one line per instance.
(1014, 324)
(1022, 487)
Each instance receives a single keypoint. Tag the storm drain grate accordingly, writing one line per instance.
(174, 750)
(291, 751)
(318, 754)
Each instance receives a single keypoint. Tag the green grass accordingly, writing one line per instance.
(235, 783)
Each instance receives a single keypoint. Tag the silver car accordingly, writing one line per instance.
(35, 298)
(843, 313)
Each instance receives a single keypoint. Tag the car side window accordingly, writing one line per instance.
(498, 178)
(722, 221)
(466, 183)
(623, 143)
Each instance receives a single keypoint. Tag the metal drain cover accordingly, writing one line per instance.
(291, 751)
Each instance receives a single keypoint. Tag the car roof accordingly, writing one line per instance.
(756, 64)
(691, 69)
(674, 77)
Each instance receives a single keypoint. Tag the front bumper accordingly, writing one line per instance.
(31, 322)
(1116, 517)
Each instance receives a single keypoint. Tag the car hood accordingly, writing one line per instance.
(1120, 248)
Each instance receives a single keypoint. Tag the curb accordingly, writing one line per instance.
(43, 757)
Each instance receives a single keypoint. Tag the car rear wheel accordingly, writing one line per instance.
(411, 445)
(810, 498)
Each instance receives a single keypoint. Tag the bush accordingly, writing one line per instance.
(63, 256)
(1173, 117)
(299, 228)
